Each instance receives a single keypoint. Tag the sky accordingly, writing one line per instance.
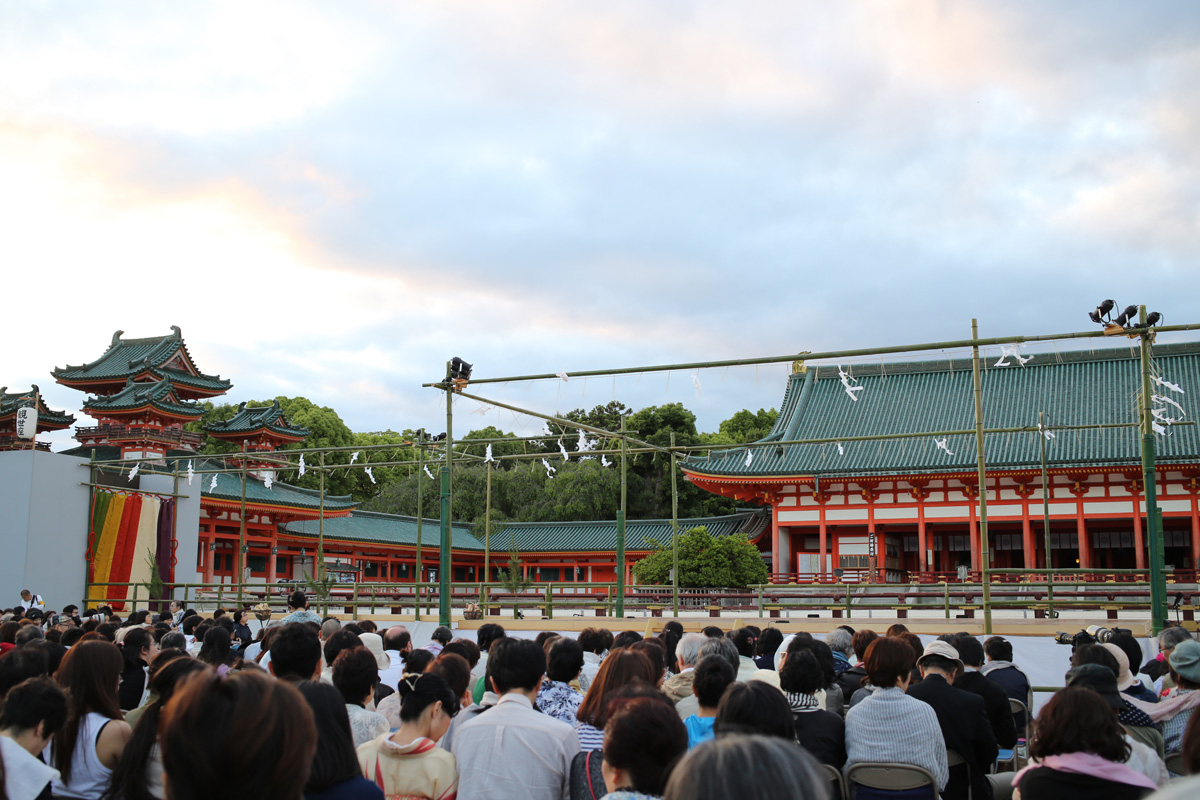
(331, 200)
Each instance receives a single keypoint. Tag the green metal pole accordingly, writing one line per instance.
(487, 532)
(241, 559)
(1046, 489)
(320, 570)
(1158, 587)
(674, 531)
(420, 515)
(444, 542)
(984, 547)
(620, 610)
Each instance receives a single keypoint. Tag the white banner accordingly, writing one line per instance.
(27, 419)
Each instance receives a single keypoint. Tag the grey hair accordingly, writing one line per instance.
(717, 769)
(840, 640)
(721, 646)
(688, 649)
(1173, 636)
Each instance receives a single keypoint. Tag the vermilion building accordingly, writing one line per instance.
(902, 508)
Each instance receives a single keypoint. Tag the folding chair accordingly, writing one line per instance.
(954, 759)
(876, 779)
(1010, 759)
(1174, 762)
(839, 784)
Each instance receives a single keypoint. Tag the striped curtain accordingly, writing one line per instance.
(127, 534)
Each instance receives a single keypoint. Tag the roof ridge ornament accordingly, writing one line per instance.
(116, 339)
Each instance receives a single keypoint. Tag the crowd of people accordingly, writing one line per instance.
(181, 705)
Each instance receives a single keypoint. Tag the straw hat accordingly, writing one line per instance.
(374, 643)
(1125, 678)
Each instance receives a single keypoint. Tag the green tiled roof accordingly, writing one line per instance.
(1081, 388)
(159, 394)
(9, 403)
(386, 529)
(553, 537)
(229, 487)
(247, 420)
(126, 358)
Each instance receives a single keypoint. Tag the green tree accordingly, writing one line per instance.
(705, 561)
(744, 426)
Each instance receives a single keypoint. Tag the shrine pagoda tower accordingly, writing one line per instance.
(47, 420)
(145, 391)
(258, 430)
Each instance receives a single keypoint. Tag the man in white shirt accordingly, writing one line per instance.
(30, 601)
(397, 643)
(33, 712)
(512, 750)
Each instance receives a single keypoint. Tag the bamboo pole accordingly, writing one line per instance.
(674, 531)
(984, 545)
(1158, 589)
(1046, 489)
(420, 515)
(620, 605)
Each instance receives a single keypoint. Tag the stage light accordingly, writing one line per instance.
(1102, 311)
(459, 369)
(1152, 319)
(1126, 317)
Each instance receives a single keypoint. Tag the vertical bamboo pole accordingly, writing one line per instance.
(420, 514)
(984, 549)
(1046, 518)
(620, 609)
(674, 530)
(444, 542)
(487, 533)
(241, 556)
(1158, 589)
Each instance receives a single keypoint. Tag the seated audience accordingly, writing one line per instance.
(138, 649)
(643, 740)
(1100, 679)
(335, 772)
(33, 711)
(754, 707)
(295, 653)
(687, 653)
(746, 768)
(1001, 669)
(995, 699)
(563, 665)
(851, 679)
(91, 741)
(1079, 751)
(408, 763)
(621, 668)
(822, 733)
(355, 674)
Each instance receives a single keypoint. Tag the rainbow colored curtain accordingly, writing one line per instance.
(127, 536)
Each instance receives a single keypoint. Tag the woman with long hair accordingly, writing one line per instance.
(216, 650)
(643, 740)
(91, 742)
(138, 649)
(622, 667)
(241, 736)
(1077, 750)
(139, 773)
(335, 774)
(408, 763)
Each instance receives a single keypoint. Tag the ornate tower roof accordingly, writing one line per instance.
(153, 359)
(47, 420)
(159, 395)
(266, 425)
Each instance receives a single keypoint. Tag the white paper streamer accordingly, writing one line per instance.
(133, 472)
(370, 474)
(191, 472)
(846, 383)
(941, 444)
(302, 465)
(549, 469)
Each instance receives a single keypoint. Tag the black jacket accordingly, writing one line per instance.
(995, 702)
(967, 731)
(852, 680)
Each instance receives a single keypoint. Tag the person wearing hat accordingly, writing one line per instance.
(1101, 680)
(374, 643)
(1127, 683)
(1175, 711)
(962, 717)
(1135, 721)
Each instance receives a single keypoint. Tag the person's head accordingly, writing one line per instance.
(355, 674)
(744, 641)
(190, 624)
(398, 639)
(997, 648)
(26, 595)
(297, 600)
(70, 637)
(1167, 639)
(341, 640)
(643, 739)
(719, 769)
(801, 673)
(625, 639)
(545, 638)
(33, 711)
(427, 700)
(590, 639)
(8, 632)
(335, 760)
(840, 641)
(565, 660)
(1130, 647)
(516, 665)
(418, 661)
(888, 662)
(442, 635)
(1095, 654)
(621, 668)
(54, 654)
(216, 649)
(687, 652)
(720, 646)
(328, 628)
(89, 673)
(456, 672)
(755, 707)
(27, 634)
(1078, 720)
(970, 651)
(173, 640)
(712, 631)
(490, 632)
(941, 658)
(656, 651)
(465, 648)
(1184, 662)
(860, 641)
(21, 664)
(176, 606)
(295, 652)
(713, 675)
(769, 641)
(245, 730)
(896, 629)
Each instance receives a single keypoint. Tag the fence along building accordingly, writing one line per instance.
(895, 509)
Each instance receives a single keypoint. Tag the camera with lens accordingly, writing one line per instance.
(1093, 634)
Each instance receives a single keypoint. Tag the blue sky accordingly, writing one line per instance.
(333, 199)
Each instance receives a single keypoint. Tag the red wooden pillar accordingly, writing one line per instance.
(1085, 544)
(206, 554)
(1139, 544)
(1030, 560)
(775, 540)
(976, 561)
(1195, 532)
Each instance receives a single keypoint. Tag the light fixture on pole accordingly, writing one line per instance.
(1125, 317)
(460, 373)
(1100, 315)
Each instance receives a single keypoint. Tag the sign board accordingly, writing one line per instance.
(27, 419)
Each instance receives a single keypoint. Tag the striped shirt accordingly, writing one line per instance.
(891, 727)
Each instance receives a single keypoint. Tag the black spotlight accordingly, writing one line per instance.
(441, 437)
(459, 369)
(1152, 319)
(1102, 311)
(1125, 318)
